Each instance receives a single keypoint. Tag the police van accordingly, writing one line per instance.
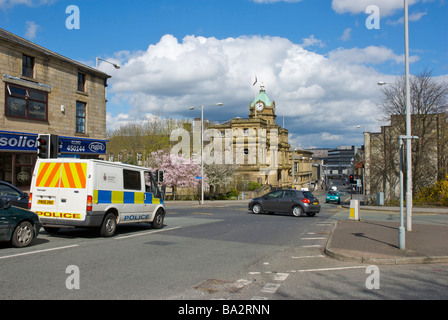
(69, 192)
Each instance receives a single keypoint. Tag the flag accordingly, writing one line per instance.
(255, 81)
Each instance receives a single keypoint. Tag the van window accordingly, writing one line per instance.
(132, 180)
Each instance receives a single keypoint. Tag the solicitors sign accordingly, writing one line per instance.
(27, 142)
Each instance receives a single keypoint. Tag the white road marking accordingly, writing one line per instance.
(38, 251)
(332, 269)
(304, 257)
(270, 287)
(281, 276)
(145, 233)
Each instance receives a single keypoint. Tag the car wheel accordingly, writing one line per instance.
(256, 208)
(157, 223)
(109, 225)
(23, 235)
(297, 211)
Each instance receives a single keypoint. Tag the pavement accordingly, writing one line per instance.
(375, 242)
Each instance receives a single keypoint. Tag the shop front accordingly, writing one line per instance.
(18, 154)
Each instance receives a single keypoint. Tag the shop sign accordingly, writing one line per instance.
(27, 142)
(18, 142)
(73, 145)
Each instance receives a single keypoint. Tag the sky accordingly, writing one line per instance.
(320, 60)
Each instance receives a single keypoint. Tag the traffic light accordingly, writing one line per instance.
(160, 176)
(54, 146)
(47, 146)
(352, 180)
(43, 146)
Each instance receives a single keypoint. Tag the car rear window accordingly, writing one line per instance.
(308, 194)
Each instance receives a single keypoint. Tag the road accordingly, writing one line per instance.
(204, 253)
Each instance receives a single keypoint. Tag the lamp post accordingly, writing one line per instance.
(408, 123)
(116, 66)
(202, 145)
(293, 167)
(310, 169)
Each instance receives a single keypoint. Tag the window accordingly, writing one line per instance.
(132, 180)
(289, 194)
(27, 66)
(26, 103)
(80, 117)
(81, 82)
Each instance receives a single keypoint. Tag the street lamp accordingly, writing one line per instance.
(408, 123)
(293, 167)
(116, 66)
(202, 145)
(408, 137)
(310, 169)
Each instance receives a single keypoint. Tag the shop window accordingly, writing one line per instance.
(80, 117)
(26, 103)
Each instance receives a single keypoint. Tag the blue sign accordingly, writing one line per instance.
(79, 145)
(18, 141)
(27, 142)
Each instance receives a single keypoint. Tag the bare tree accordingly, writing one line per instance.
(429, 106)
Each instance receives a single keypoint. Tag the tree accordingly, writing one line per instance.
(178, 171)
(429, 106)
(130, 140)
(218, 174)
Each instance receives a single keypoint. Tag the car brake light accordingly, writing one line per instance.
(305, 200)
(30, 198)
(89, 203)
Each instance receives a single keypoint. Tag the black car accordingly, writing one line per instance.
(295, 202)
(17, 225)
(15, 196)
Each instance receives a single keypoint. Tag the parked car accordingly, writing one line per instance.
(16, 196)
(17, 225)
(333, 196)
(295, 202)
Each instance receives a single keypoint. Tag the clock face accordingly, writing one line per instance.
(259, 106)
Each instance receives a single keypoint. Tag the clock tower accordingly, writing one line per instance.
(262, 107)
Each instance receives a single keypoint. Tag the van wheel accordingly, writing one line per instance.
(109, 225)
(23, 235)
(157, 223)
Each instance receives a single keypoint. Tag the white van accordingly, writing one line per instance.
(69, 192)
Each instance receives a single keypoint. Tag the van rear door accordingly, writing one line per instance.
(60, 189)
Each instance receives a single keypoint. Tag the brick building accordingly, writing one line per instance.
(44, 92)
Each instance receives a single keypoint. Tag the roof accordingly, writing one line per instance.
(8, 36)
(262, 96)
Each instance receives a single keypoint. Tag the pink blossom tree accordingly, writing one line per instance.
(178, 171)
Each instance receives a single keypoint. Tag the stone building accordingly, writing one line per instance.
(429, 154)
(260, 147)
(44, 92)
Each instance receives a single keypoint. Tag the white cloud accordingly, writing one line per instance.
(273, 1)
(313, 92)
(347, 34)
(387, 7)
(368, 55)
(31, 3)
(31, 30)
(416, 16)
(312, 42)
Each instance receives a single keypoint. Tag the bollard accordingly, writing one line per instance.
(354, 210)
